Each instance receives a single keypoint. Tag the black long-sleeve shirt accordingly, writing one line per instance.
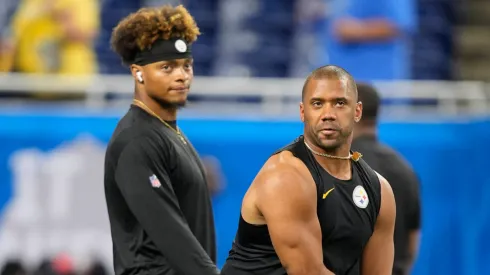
(158, 202)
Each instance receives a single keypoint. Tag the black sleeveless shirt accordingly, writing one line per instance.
(347, 211)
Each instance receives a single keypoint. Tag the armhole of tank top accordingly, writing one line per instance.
(376, 184)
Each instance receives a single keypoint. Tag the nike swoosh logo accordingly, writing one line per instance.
(328, 192)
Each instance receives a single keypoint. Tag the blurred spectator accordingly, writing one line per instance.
(370, 39)
(55, 36)
(13, 268)
(403, 180)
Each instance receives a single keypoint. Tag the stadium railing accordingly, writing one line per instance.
(273, 96)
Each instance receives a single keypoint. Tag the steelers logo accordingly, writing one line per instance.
(360, 197)
(180, 46)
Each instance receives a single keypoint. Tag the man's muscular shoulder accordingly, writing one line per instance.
(283, 177)
(284, 161)
(284, 174)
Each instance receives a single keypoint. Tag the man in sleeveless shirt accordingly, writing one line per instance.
(315, 207)
(398, 172)
(155, 184)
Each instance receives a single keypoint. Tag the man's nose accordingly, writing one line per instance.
(328, 113)
(182, 74)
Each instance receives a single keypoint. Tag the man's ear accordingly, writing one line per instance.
(137, 73)
(358, 114)
(302, 111)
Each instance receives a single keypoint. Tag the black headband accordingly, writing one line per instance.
(163, 50)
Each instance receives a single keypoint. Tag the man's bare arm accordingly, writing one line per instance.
(354, 31)
(287, 200)
(378, 256)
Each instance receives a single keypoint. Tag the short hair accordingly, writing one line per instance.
(370, 101)
(331, 72)
(138, 31)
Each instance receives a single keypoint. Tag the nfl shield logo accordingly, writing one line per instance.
(154, 181)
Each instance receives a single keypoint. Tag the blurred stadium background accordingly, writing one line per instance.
(61, 94)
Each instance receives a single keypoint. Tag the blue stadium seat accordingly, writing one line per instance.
(271, 47)
(274, 22)
(203, 68)
(271, 70)
(206, 19)
(196, 5)
(433, 44)
(111, 13)
(272, 6)
(205, 12)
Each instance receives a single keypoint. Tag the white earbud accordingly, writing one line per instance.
(139, 76)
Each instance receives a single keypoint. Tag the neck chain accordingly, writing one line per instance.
(356, 156)
(147, 109)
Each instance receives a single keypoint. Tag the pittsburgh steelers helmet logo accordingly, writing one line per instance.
(360, 197)
(180, 46)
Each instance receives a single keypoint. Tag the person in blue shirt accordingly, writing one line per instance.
(369, 38)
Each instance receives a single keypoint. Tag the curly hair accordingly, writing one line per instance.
(139, 30)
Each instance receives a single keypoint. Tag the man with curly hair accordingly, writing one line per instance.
(155, 185)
